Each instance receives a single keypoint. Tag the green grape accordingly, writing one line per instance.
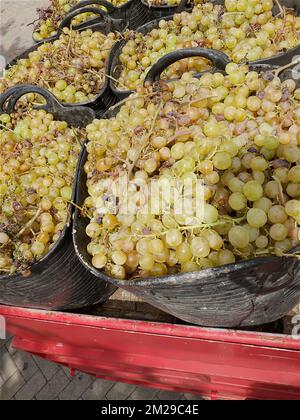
(237, 201)
(200, 247)
(222, 161)
(278, 232)
(256, 218)
(253, 191)
(238, 237)
(277, 214)
(174, 238)
(294, 175)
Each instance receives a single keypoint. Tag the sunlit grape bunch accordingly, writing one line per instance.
(37, 166)
(72, 67)
(245, 30)
(51, 17)
(223, 148)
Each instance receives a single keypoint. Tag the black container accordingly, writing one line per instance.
(115, 64)
(105, 98)
(164, 10)
(58, 281)
(248, 293)
(277, 60)
(244, 294)
(133, 13)
(132, 10)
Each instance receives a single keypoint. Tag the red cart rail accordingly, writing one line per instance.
(215, 363)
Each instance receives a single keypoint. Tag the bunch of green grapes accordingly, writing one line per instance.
(245, 31)
(72, 67)
(51, 17)
(194, 174)
(37, 166)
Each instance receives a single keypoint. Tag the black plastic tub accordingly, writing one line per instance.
(133, 13)
(105, 98)
(58, 281)
(277, 60)
(115, 64)
(248, 293)
(164, 10)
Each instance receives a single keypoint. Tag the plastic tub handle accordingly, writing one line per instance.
(182, 5)
(16, 92)
(218, 58)
(77, 116)
(66, 22)
(108, 6)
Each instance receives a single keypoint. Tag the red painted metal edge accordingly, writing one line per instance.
(232, 336)
(215, 363)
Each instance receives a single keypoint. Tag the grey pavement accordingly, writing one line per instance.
(26, 377)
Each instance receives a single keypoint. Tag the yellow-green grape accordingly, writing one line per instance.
(256, 218)
(253, 191)
(99, 261)
(37, 166)
(205, 188)
(71, 67)
(238, 237)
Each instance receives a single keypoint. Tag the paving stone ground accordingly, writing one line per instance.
(25, 377)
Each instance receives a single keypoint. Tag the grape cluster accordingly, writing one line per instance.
(232, 140)
(71, 67)
(37, 166)
(245, 31)
(51, 17)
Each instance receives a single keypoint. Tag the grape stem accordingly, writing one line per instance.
(281, 9)
(8, 129)
(281, 196)
(179, 134)
(112, 78)
(279, 253)
(69, 43)
(82, 209)
(124, 102)
(287, 66)
(30, 223)
(76, 137)
(146, 138)
(218, 223)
